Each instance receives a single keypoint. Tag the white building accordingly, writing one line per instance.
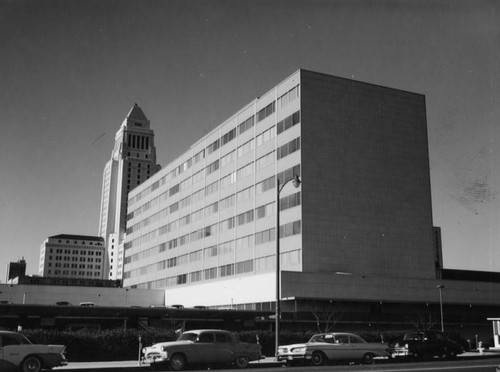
(72, 256)
(132, 162)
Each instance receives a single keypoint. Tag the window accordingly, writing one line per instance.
(246, 148)
(245, 217)
(210, 252)
(266, 111)
(265, 185)
(289, 174)
(244, 171)
(225, 160)
(288, 148)
(226, 225)
(245, 194)
(246, 125)
(226, 247)
(227, 202)
(265, 136)
(288, 122)
(226, 270)
(265, 210)
(290, 201)
(228, 180)
(265, 236)
(209, 169)
(199, 156)
(213, 187)
(244, 267)
(213, 146)
(289, 229)
(264, 161)
(229, 136)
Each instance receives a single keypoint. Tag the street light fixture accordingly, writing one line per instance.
(440, 287)
(296, 183)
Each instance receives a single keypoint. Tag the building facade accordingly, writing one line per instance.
(203, 228)
(132, 162)
(72, 256)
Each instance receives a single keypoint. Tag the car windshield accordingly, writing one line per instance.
(414, 336)
(188, 336)
(323, 338)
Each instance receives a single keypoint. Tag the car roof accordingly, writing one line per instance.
(207, 330)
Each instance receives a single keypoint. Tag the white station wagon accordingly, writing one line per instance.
(18, 353)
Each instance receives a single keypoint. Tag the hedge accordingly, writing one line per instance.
(123, 344)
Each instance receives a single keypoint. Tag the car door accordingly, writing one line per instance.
(226, 347)
(203, 350)
(359, 347)
(11, 351)
(337, 346)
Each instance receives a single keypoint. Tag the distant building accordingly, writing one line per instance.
(15, 270)
(132, 162)
(72, 257)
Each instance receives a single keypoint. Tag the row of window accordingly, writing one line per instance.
(198, 176)
(76, 251)
(138, 142)
(262, 264)
(224, 139)
(75, 266)
(81, 243)
(228, 247)
(75, 273)
(74, 259)
(207, 211)
(245, 194)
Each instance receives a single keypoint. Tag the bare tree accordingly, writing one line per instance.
(424, 322)
(325, 316)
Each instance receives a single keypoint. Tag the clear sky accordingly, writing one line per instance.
(70, 71)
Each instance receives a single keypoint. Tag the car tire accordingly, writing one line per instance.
(242, 361)
(367, 358)
(177, 362)
(31, 364)
(318, 358)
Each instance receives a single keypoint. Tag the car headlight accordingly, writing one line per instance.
(299, 350)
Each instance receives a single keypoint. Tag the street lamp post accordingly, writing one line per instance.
(440, 287)
(296, 182)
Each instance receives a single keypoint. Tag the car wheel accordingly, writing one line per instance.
(241, 361)
(177, 362)
(31, 364)
(367, 358)
(318, 358)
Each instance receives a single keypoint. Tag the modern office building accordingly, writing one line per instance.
(132, 162)
(72, 256)
(358, 228)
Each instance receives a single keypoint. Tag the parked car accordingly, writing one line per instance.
(87, 304)
(426, 345)
(63, 303)
(325, 347)
(202, 347)
(18, 353)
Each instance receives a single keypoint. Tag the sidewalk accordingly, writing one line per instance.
(133, 365)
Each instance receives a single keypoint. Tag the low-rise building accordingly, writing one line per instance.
(72, 256)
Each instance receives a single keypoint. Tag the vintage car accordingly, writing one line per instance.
(18, 353)
(201, 347)
(425, 345)
(325, 347)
